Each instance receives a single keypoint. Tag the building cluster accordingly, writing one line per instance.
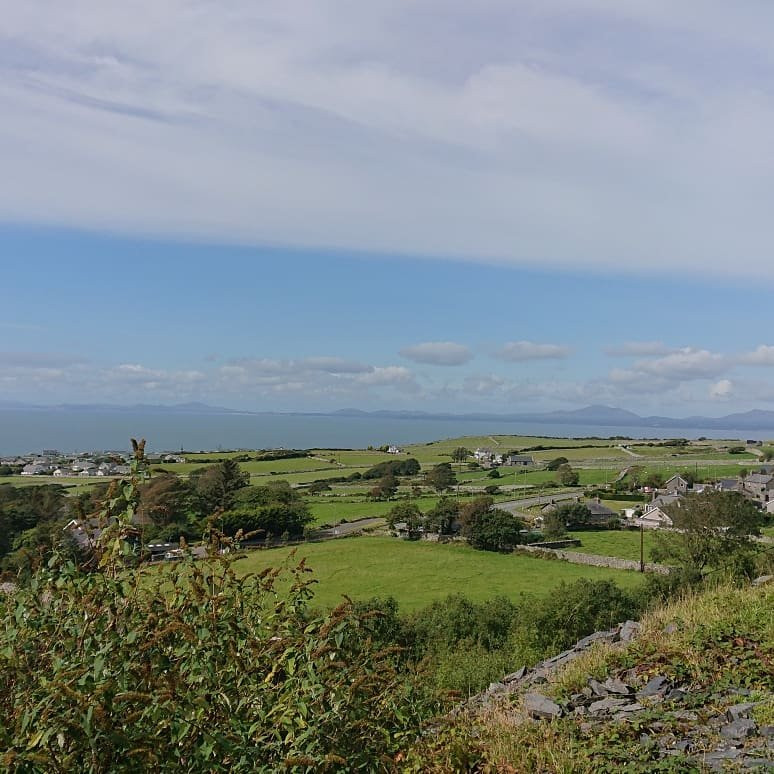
(95, 464)
(757, 487)
(490, 459)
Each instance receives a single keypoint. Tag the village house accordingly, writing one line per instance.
(758, 487)
(654, 517)
(394, 450)
(519, 460)
(677, 484)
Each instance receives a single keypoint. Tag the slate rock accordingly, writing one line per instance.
(515, 675)
(739, 711)
(586, 642)
(539, 706)
(629, 631)
(495, 688)
(739, 729)
(655, 686)
(597, 688)
(628, 709)
(767, 731)
(614, 685)
(608, 704)
(675, 695)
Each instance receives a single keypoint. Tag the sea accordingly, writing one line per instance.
(24, 431)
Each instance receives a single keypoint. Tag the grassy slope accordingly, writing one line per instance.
(717, 640)
(416, 573)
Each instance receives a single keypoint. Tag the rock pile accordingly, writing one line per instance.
(710, 729)
(524, 678)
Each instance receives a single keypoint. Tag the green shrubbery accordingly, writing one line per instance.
(191, 669)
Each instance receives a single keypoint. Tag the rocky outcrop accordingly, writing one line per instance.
(524, 678)
(708, 729)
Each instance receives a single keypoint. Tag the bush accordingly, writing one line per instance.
(105, 672)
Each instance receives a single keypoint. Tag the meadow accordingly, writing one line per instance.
(416, 573)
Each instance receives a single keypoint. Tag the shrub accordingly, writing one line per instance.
(193, 670)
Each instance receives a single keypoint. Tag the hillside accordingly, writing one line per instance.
(689, 689)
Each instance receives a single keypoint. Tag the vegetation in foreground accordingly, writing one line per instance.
(717, 644)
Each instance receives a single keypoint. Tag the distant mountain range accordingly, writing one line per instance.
(601, 416)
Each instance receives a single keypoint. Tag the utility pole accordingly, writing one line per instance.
(642, 548)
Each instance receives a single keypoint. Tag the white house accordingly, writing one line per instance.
(653, 518)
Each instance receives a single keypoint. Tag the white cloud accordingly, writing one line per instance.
(721, 389)
(446, 353)
(685, 364)
(517, 351)
(351, 125)
(763, 355)
(639, 349)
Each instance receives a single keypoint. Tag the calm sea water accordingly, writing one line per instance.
(24, 431)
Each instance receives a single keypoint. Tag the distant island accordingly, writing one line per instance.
(600, 415)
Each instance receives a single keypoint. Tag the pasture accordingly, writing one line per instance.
(416, 572)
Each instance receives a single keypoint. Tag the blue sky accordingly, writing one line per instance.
(445, 206)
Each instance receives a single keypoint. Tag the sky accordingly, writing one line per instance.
(488, 206)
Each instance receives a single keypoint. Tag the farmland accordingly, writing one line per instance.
(416, 572)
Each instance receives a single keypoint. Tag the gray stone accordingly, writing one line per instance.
(739, 729)
(515, 675)
(629, 631)
(614, 685)
(762, 764)
(675, 695)
(496, 688)
(539, 706)
(739, 711)
(654, 686)
(627, 709)
(608, 704)
(670, 628)
(597, 688)
(767, 731)
(762, 580)
(586, 642)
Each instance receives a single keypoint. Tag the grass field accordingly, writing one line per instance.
(622, 543)
(416, 573)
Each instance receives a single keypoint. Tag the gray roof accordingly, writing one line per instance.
(758, 478)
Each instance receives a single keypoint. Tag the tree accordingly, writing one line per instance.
(441, 477)
(655, 480)
(406, 513)
(269, 509)
(443, 516)
(216, 485)
(554, 526)
(387, 486)
(767, 454)
(493, 473)
(574, 515)
(556, 463)
(166, 499)
(566, 476)
(636, 476)
(712, 530)
(460, 454)
(488, 528)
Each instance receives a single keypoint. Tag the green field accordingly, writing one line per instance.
(623, 543)
(416, 573)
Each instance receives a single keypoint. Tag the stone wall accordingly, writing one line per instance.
(594, 560)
